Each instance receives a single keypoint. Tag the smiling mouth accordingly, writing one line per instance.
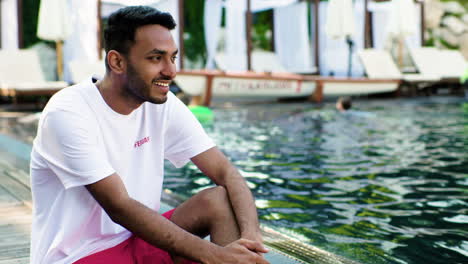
(164, 84)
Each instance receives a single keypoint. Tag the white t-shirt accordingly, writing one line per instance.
(81, 140)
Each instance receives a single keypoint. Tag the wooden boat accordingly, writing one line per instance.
(208, 84)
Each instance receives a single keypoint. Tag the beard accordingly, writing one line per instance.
(138, 90)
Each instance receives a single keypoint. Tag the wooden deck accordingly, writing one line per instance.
(15, 211)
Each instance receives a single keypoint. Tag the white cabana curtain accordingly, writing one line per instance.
(81, 44)
(292, 42)
(9, 24)
(212, 24)
(381, 13)
(334, 52)
(236, 46)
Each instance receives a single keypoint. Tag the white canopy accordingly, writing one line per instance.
(402, 20)
(401, 24)
(397, 20)
(340, 19)
(9, 24)
(54, 20)
(381, 13)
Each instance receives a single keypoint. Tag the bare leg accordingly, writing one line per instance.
(208, 213)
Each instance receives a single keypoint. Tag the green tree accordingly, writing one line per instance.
(194, 36)
(30, 14)
(262, 30)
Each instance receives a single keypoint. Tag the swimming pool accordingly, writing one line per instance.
(385, 184)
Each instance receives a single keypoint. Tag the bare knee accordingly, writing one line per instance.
(223, 227)
(215, 200)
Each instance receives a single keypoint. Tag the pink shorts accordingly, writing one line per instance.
(132, 251)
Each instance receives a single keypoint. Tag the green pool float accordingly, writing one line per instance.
(463, 80)
(465, 108)
(464, 77)
(202, 113)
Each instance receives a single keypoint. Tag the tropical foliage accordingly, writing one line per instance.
(30, 14)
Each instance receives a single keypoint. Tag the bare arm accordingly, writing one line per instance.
(216, 166)
(150, 226)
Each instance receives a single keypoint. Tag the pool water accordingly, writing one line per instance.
(386, 183)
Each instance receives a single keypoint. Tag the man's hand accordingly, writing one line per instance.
(240, 251)
(254, 236)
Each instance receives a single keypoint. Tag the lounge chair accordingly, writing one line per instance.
(379, 64)
(21, 75)
(449, 65)
(380, 79)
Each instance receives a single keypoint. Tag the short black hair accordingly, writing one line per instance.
(119, 33)
(345, 102)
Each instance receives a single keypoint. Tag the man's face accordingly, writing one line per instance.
(151, 64)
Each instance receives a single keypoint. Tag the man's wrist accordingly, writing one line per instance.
(210, 253)
(252, 234)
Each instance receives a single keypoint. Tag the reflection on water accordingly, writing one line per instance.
(385, 187)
